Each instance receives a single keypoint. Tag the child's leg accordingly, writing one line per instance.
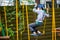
(37, 31)
(39, 24)
(35, 28)
(32, 27)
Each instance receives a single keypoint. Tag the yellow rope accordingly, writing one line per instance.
(45, 20)
(21, 35)
(44, 26)
(27, 23)
(23, 16)
(23, 19)
(53, 22)
(17, 18)
(0, 21)
(5, 20)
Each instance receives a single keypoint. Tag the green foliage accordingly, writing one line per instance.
(11, 20)
(21, 23)
(10, 32)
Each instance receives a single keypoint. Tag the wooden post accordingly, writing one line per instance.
(37, 1)
(53, 21)
(17, 19)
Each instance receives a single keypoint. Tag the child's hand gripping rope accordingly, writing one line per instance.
(35, 4)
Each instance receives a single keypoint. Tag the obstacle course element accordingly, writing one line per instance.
(4, 37)
(53, 27)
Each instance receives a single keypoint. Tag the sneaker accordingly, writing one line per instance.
(39, 34)
(34, 34)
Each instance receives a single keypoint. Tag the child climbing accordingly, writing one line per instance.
(39, 21)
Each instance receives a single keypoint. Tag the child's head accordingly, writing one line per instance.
(40, 7)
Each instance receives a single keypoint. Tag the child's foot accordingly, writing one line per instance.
(34, 34)
(39, 33)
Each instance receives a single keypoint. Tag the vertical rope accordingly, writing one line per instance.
(0, 24)
(0, 17)
(23, 16)
(23, 19)
(17, 18)
(21, 35)
(53, 22)
(44, 26)
(5, 20)
(27, 23)
(45, 20)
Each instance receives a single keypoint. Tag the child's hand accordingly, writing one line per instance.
(47, 10)
(50, 15)
(47, 15)
(35, 4)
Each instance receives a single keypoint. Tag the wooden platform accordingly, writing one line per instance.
(4, 37)
(58, 31)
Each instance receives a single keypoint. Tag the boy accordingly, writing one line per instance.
(39, 21)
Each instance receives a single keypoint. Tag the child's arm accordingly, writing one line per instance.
(34, 9)
(46, 14)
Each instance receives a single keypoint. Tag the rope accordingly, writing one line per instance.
(23, 17)
(23, 20)
(45, 20)
(44, 26)
(0, 24)
(5, 20)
